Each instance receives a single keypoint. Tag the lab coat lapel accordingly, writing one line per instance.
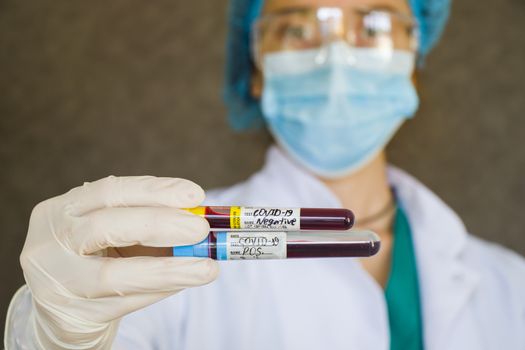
(300, 188)
(446, 283)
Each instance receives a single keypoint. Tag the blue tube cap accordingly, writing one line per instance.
(185, 250)
(199, 250)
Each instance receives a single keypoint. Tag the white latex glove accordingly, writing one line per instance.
(79, 296)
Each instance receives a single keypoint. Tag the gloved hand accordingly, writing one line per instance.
(78, 294)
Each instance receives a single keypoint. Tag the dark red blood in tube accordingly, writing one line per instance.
(326, 219)
(218, 217)
(333, 250)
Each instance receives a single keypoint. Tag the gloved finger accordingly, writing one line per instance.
(102, 277)
(147, 226)
(133, 191)
(108, 308)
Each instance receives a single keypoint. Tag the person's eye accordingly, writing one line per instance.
(294, 32)
(371, 32)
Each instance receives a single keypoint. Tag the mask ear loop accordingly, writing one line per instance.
(415, 40)
(254, 44)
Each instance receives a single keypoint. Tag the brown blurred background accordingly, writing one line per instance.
(93, 88)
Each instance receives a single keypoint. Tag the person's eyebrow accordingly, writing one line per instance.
(305, 9)
(388, 8)
(289, 9)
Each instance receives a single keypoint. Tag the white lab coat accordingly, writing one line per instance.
(472, 292)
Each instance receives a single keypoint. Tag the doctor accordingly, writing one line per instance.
(333, 81)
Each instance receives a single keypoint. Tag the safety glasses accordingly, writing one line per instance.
(309, 28)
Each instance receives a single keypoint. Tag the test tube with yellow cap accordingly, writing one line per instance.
(275, 218)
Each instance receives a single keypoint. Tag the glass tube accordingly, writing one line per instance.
(275, 218)
(253, 245)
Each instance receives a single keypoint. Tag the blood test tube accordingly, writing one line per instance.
(256, 245)
(275, 218)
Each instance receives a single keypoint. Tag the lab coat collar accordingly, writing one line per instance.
(299, 185)
(439, 236)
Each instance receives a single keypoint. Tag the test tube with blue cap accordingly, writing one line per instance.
(255, 245)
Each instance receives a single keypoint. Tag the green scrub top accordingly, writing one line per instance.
(402, 290)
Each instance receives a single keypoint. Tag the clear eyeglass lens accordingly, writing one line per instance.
(296, 30)
(304, 29)
(381, 29)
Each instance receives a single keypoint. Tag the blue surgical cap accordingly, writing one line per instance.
(244, 111)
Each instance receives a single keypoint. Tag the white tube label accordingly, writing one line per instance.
(255, 245)
(253, 218)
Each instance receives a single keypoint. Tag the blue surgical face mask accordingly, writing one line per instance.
(334, 109)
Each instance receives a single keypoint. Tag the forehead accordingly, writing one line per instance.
(396, 5)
